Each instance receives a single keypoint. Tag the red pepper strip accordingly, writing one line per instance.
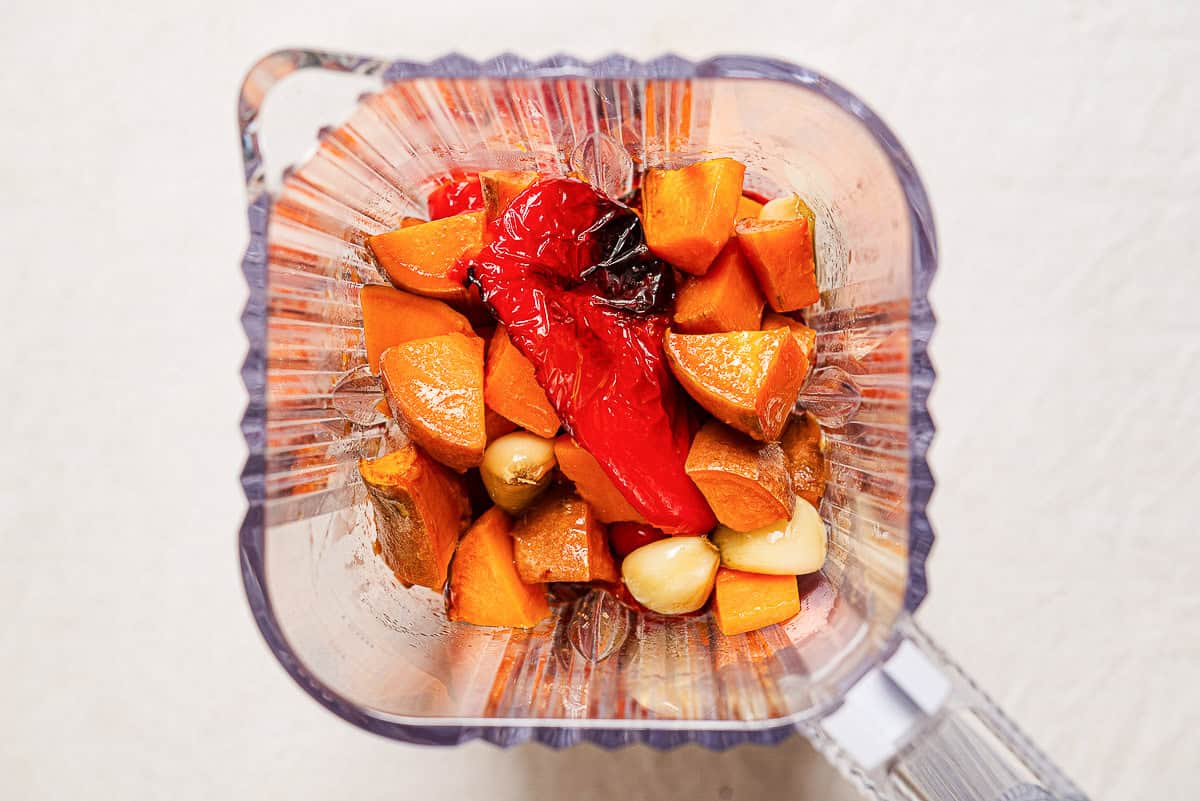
(455, 197)
(601, 364)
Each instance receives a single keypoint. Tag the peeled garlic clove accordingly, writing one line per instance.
(788, 207)
(784, 548)
(516, 468)
(672, 576)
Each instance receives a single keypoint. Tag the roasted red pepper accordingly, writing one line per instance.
(568, 273)
(455, 197)
(625, 538)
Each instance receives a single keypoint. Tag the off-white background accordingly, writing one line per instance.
(1060, 148)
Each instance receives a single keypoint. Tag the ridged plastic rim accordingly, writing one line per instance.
(716, 735)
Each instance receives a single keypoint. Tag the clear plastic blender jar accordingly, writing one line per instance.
(852, 671)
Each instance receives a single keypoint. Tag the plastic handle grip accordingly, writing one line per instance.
(916, 728)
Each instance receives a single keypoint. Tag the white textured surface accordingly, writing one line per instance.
(1061, 153)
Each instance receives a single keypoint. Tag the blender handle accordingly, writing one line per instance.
(266, 74)
(916, 727)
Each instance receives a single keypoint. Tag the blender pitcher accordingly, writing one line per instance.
(852, 672)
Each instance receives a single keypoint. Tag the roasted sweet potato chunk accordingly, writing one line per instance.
(420, 258)
(561, 539)
(744, 481)
(420, 509)
(435, 386)
(806, 337)
(689, 213)
(748, 601)
(495, 425)
(748, 208)
(806, 458)
(781, 253)
(500, 187)
(726, 298)
(391, 317)
(484, 586)
(511, 389)
(592, 482)
(748, 379)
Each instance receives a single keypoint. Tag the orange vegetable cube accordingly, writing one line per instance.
(420, 509)
(500, 187)
(495, 425)
(746, 482)
(781, 253)
(748, 208)
(726, 298)
(806, 337)
(420, 258)
(391, 317)
(749, 601)
(484, 586)
(435, 386)
(560, 539)
(592, 482)
(689, 213)
(747, 379)
(805, 456)
(511, 389)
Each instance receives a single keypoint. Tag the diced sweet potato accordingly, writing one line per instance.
(744, 481)
(689, 213)
(592, 482)
(726, 298)
(409, 222)
(435, 386)
(420, 509)
(391, 317)
(747, 379)
(484, 586)
(495, 425)
(805, 458)
(806, 337)
(511, 389)
(781, 253)
(749, 601)
(500, 187)
(561, 539)
(748, 208)
(420, 258)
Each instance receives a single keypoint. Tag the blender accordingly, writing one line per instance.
(853, 672)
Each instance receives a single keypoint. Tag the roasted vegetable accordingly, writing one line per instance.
(791, 547)
(560, 539)
(391, 317)
(744, 481)
(689, 213)
(510, 388)
(749, 601)
(484, 586)
(516, 468)
(672, 576)
(435, 386)
(747, 379)
(420, 509)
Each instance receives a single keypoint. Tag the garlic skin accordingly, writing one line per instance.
(672, 576)
(792, 547)
(516, 468)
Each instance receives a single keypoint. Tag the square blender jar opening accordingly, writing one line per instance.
(384, 656)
